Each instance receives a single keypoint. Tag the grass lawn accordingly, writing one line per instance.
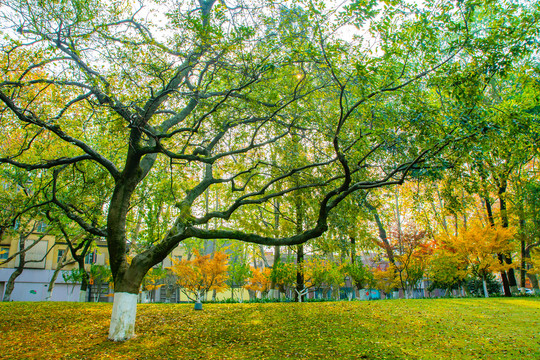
(389, 329)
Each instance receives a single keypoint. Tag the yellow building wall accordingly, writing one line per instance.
(49, 250)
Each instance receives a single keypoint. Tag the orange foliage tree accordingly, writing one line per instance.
(259, 280)
(201, 274)
(478, 247)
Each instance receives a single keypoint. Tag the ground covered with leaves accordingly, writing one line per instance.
(394, 329)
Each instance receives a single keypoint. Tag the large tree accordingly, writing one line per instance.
(106, 97)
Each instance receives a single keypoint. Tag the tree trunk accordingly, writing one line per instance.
(59, 267)
(353, 250)
(274, 290)
(50, 288)
(299, 274)
(484, 283)
(125, 303)
(534, 282)
(10, 285)
(523, 248)
(523, 270)
(83, 293)
(506, 286)
(441, 206)
(123, 316)
(382, 232)
(299, 250)
(504, 217)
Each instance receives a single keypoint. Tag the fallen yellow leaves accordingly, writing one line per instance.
(405, 329)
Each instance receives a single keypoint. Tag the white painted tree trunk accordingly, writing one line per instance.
(123, 317)
(486, 293)
(82, 296)
(301, 293)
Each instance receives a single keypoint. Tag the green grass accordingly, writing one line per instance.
(395, 329)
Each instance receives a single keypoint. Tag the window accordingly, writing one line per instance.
(60, 254)
(35, 256)
(41, 227)
(90, 258)
(4, 252)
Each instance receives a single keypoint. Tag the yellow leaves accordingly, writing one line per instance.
(446, 268)
(437, 329)
(535, 262)
(152, 278)
(315, 271)
(259, 280)
(283, 274)
(482, 238)
(202, 273)
(386, 280)
(479, 245)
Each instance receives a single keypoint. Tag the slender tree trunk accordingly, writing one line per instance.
(83, 294)
(263, 256)
(274, 291)
(299, 251)
(10, 285)
(299, 273)
(506, 286)
(534, 282)
(504, 217)
(398, 219)
(355, 285)
(382, 233)
(484, 283)
(443, 218)
(50, 288)
(464, 212)
(523, 249)
(523, 269)
(61, 264)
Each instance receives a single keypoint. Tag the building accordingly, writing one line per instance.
(43, 256)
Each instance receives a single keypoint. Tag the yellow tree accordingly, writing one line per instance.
(152, 280)
(316, 270)
(535, 267)
(259, 280)
(479, 245)
(201, 274)
(386, 280)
